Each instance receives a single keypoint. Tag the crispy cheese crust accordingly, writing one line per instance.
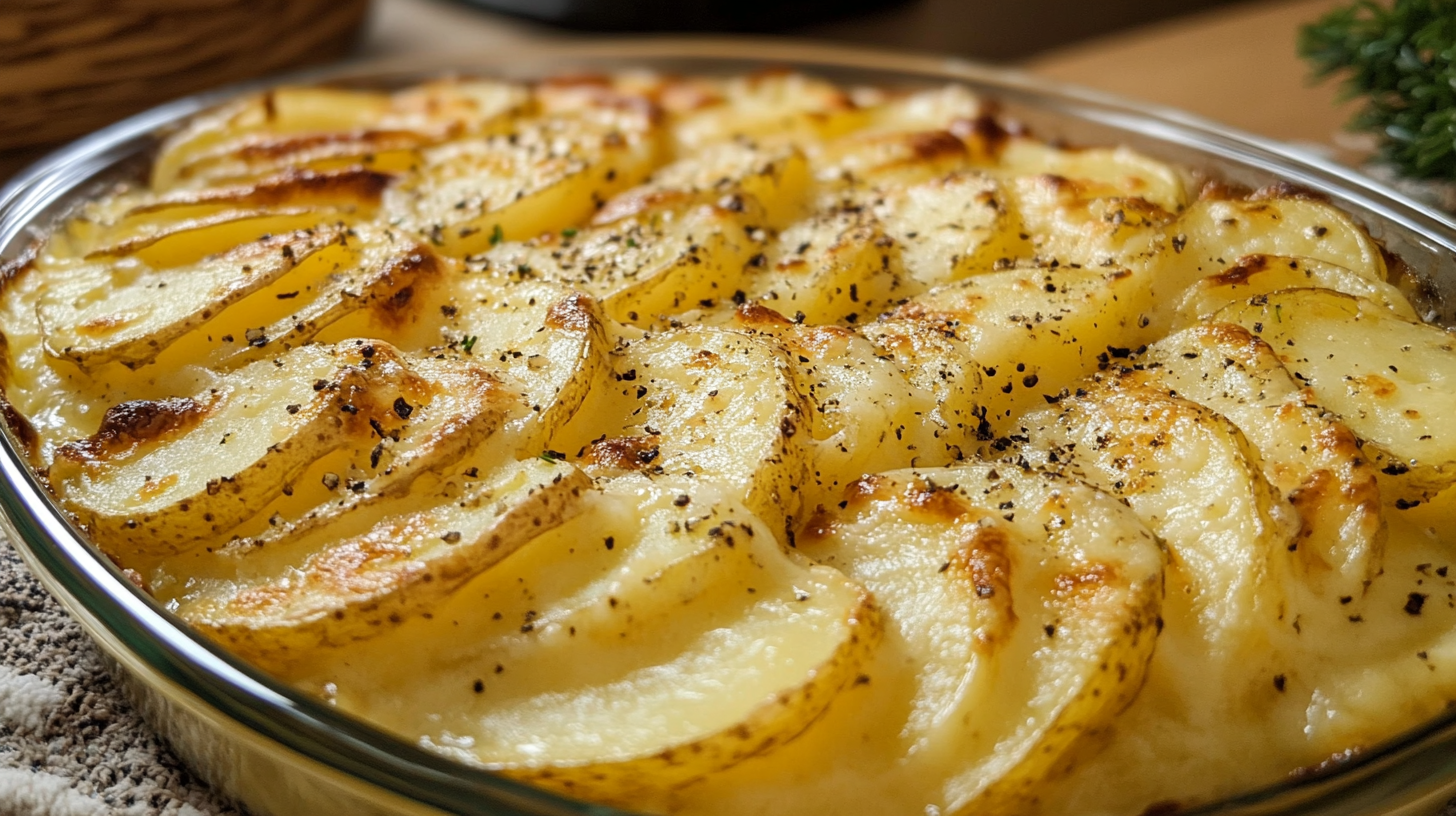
(756, 445)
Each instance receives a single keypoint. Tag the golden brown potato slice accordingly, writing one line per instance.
(293, 127)
(890, 159)
(545, 175)
(124, 311)
(1115, 172)
(1214, 233)
(1193, 478)
(159, 476)
(350, 189)
(950, 227)
(1045, 585)
(1035, 332)
(1388, 378)
(187, 240)
(943, 366)
(770, 105)
(257, 300)
(718, 404)
(1264, 274)
(545, 340)
(443, 420)
(935, 109)
(1020, 612)
(776, 177)
(832, 268)
(1295, 225)
(646, 266)
(278, 604)
(201, 221)
(661, 635)
(868, 411)
(1085, 223)
(1313, 459)
(388, 279)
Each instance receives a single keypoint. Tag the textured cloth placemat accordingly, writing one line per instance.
(70, 743)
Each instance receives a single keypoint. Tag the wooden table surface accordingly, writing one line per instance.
(1235, 65)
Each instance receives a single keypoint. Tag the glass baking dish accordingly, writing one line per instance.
(280, 752)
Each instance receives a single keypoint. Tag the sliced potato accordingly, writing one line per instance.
(934, 109)
(832, 268)
(717, 404)
(158, 476)
(295, 126)
(777, 178)
(351, 189)
(1308, 455)
(547, 342)
(1035, 332)
(867, 412)
(644, 644)
(951, 227)
(98, 313)
(1214, 233)
(1264, 274)
(133, 220)
(1297, 226)
(941, 365)
(189, 227)
(326, 591)
(1085, 223)
(246, 318)
(641, 268)
(179, 242)
(451, 408)
(783, 106)
(895, 158)
(545, 175)
(1020, 612)
(1024, 629)
(1118, 171)
(1388, 378)
(389, 279)
(1194, 479)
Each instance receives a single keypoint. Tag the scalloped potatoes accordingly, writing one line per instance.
(757, 446)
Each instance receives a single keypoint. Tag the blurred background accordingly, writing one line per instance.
(68, 67)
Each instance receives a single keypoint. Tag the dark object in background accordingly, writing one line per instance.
(680, 15)
(68, 67)
(1401, 60)
(993, 30)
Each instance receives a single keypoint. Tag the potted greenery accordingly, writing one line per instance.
(1401, 59)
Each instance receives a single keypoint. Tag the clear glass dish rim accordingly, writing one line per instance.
(309, 727)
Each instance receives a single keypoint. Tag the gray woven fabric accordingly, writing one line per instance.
(70, 744)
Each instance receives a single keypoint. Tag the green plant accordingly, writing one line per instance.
(1402, 58)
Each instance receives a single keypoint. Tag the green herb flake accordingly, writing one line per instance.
(497, 235)
(468, 343)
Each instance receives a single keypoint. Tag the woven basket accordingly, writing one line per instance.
(68, 67)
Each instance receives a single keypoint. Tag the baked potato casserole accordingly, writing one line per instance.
(757, 445)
